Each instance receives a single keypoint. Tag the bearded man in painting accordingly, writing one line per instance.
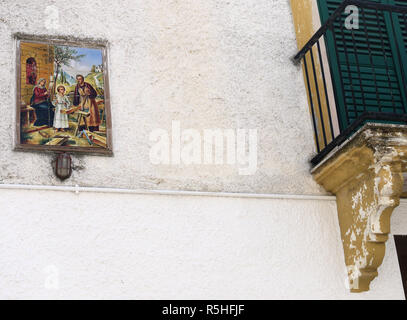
(84, 97)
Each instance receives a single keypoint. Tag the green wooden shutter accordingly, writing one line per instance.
(400, 29)
(366, 62)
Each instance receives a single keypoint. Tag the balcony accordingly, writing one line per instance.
(358, 74)
(355, 73)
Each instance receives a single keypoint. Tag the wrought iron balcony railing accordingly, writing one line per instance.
(357, 74)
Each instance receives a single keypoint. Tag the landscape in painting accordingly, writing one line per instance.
(62, 96)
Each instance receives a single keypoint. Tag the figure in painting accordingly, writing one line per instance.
(40, 102)
(62, 104)
(85, 97)
(68, 111)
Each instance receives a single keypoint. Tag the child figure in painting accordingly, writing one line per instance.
(61, 103)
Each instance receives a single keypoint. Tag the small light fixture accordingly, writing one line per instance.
(63, 166)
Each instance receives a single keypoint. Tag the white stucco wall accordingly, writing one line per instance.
(209, 64)
(135, 246)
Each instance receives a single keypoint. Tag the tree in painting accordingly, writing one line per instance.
(63, 55)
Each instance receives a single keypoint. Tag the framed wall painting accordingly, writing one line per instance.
(63, 102)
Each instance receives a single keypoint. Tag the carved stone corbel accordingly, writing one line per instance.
(366, 175)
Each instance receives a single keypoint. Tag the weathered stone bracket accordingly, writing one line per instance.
(366, 175)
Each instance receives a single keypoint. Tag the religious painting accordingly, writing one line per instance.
(62, 97)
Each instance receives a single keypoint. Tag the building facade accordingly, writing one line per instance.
(264, 226)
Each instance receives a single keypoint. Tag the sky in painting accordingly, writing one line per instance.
(84, 65)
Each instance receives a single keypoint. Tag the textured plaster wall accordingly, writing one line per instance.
(177, 247)
(209, 64)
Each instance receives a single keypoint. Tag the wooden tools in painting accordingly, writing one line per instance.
(81, 117)
(71, 110)
(28, 116)
(93, 138)
(35, 129)
(97, 139)
(58, 141)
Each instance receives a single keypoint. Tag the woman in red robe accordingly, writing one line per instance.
(42, 106)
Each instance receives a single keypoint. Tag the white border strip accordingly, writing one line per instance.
(78, 189)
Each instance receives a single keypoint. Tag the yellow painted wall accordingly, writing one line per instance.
(303, 20)
(306, 22)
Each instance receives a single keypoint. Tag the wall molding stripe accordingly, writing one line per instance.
(78, 189)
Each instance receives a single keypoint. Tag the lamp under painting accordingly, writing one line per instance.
(63, 166)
